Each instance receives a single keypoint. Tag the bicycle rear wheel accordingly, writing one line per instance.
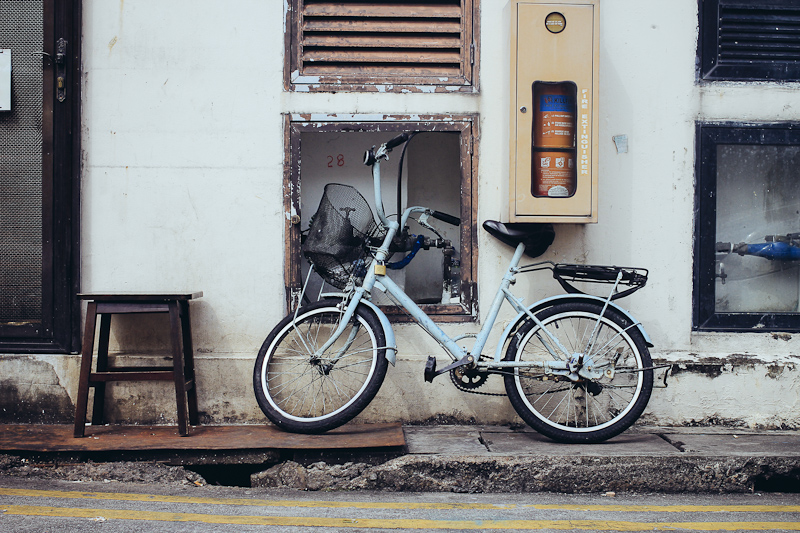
(588, 410)
(305, 392)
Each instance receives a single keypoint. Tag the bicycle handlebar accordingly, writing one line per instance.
(444, 217)
(397, 141)
(373, 158)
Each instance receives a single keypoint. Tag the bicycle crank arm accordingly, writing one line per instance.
(430, 366)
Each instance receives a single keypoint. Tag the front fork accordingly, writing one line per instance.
(355, 299)
(344, 320)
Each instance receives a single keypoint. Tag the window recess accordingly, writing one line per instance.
(747, 241)
(750, 41)
(439, 171)
(381, 45)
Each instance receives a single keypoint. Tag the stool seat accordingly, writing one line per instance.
(181, 372)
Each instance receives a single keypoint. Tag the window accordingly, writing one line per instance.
(744, 40)
(747, 242)
(439, 172)
(391, 45)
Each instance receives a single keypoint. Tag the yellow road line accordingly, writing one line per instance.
(117, 496)
(379, 523)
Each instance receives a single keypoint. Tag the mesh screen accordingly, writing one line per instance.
(21, 24)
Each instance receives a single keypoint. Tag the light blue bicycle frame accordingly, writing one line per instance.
(563, 362)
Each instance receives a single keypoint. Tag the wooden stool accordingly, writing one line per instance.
(181, 372)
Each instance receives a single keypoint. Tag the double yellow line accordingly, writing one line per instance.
(376, 523)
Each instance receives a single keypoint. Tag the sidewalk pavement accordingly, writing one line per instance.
(501, 459)
(439, 458)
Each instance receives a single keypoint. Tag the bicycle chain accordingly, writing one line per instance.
(462, 388)
(472, 390)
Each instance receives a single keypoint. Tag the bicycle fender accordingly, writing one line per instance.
(561, 298)
(388, 332)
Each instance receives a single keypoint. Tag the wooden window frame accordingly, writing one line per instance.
(465, 125)
(713, 65)
(708, 137)
(297, 79)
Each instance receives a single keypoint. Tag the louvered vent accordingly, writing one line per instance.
(759, 34)
(389, 41)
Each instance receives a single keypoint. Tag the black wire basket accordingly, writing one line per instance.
(340, 232)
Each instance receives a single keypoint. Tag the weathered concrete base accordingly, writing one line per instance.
(556, 473)
(734, 390)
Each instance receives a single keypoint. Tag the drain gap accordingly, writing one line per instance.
(789, 483)
(227, 475)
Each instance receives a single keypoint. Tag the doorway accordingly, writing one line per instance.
(39, 170)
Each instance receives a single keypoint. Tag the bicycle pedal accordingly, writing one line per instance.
(430, 369)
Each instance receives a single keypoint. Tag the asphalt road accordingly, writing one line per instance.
(58, 506)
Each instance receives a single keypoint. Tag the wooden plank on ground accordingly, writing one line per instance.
(58, 438)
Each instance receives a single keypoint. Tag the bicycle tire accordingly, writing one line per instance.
(302, 393)
(586, 411)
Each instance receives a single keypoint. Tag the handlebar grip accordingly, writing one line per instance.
(397, 141)
(444, 217)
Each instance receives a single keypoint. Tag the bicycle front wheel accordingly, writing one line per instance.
(587, 410)
(303, 391)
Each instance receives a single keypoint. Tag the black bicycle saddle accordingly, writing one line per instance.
(536, 237)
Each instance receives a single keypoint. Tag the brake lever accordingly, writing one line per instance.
(422, 220)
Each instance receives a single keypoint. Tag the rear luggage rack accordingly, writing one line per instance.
(566, 274)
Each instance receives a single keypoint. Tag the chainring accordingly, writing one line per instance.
(468, 379)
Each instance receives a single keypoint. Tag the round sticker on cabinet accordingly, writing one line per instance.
(555, 22)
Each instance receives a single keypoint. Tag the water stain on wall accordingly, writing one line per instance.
(34, 395)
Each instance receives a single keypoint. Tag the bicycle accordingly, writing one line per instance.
(576, 367)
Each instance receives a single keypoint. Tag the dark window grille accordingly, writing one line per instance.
(749, 41)
(21, 210)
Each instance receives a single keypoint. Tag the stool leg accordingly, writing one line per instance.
(98, 410)
(86, 369)
(177, 362)
(188, 363)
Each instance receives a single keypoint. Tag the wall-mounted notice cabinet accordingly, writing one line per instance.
(5, 79)
(554, 125)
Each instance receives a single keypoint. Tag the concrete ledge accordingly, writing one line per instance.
(498, 459)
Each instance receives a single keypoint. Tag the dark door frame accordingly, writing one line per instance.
(61, 130)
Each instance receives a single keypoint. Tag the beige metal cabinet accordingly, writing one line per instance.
(554, 120)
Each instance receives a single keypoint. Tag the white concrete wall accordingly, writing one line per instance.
(182, 190)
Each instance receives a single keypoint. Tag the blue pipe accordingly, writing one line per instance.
(774, 250)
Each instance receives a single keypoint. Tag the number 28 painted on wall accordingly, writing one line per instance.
(337, 160)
